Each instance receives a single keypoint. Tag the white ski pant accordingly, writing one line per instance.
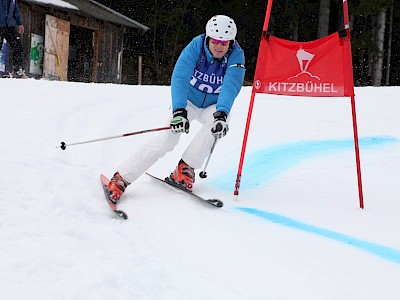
(165, 141)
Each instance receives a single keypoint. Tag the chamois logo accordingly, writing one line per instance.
(304, 58)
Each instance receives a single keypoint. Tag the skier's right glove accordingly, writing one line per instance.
(179, 122)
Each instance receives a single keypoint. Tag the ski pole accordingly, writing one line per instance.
(203, 174)
(63, 145)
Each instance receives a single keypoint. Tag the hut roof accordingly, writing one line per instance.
(92, 9)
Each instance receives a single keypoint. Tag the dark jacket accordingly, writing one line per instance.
(9, 14)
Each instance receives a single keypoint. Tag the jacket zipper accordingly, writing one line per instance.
(204, 100)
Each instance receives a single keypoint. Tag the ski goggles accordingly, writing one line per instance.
(222, 42)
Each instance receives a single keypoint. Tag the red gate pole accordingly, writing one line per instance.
(246, 132)
(353, 104)
(346, 17)
(357, 150)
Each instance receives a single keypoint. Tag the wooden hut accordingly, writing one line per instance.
(74, 40)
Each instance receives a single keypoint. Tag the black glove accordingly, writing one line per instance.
(220, 127)
(179, 122)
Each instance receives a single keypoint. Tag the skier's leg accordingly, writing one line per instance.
(146, 155)
(199, 148)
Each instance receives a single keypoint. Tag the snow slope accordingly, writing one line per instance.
(297, 231)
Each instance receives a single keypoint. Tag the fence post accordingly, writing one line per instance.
(140, 70)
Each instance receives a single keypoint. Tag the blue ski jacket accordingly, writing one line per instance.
(195, 56)
(9, 14)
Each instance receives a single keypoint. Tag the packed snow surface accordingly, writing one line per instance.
(296, 230)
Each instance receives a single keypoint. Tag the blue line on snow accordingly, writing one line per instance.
(262, 166)
(384, 252)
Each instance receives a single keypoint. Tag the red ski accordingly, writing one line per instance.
(104, 183)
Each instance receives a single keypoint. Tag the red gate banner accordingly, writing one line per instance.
(318, 68)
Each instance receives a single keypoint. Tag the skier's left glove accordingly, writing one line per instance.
(220, 127)
(179, 122)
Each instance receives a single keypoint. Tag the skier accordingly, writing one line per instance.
(206, 79)
(11, 29)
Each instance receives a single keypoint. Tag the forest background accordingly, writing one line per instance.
(173, 24)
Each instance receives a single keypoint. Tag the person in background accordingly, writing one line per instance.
(11, 29)
(206, 80)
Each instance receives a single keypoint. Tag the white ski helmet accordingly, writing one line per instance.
(221, 27)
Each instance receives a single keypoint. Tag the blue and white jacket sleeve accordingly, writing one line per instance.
(183, 72)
